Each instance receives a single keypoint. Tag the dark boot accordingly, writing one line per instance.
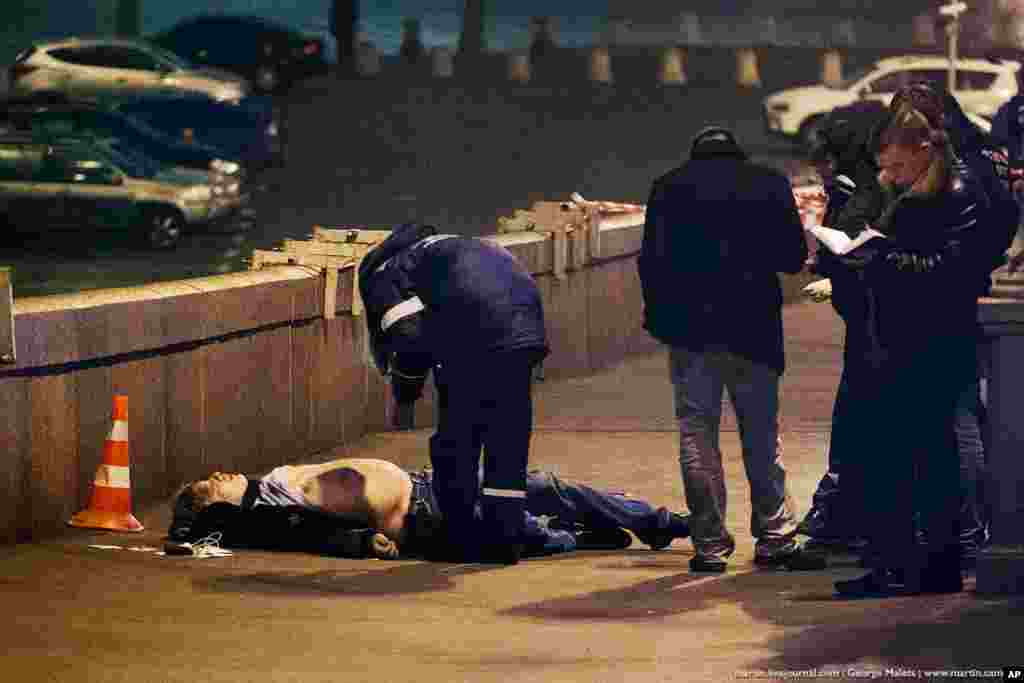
(821, 521)
(878, 583)
(659, 539)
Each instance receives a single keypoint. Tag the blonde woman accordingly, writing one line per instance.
(924, 283)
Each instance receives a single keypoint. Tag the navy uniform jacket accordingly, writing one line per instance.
(446, 299)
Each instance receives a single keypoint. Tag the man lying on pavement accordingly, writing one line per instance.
(362, 507)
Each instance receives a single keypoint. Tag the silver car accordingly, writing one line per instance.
(86, 185)
(114, 66)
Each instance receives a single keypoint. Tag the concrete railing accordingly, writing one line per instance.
(242, 372)
(1001, 565)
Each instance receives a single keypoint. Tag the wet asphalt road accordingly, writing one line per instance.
(375, 154)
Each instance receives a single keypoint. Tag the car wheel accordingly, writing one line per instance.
(267, 79)
(810, 131)
(164, 228)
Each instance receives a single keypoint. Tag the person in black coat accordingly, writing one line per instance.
(854, 201)
(468, 310)
(924, 277)
(344, 25)
(718, 229)
(991, 168)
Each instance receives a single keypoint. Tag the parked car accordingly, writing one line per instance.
(77, 184)
(251, 132)
(65, 117)
(114, 66)
(982, 85)
(270, 55)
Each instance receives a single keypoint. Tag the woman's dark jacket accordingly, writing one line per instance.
(718, 230)
(924, 276)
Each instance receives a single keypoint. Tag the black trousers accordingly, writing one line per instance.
(909, 461)
(483, 403)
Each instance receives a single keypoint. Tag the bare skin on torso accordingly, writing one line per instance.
(364, 490)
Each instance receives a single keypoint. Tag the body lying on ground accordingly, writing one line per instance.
(362, 507)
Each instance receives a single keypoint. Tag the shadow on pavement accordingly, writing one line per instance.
(402, 579)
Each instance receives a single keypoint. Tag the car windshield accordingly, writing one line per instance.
(125, 157)
(170, 57)
(853, 78)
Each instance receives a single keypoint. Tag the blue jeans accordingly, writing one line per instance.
(972, 470)
(591, 508)
(550, 496)
(699, 379)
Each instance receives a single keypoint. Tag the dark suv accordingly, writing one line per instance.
(68, 117)
(270, 55)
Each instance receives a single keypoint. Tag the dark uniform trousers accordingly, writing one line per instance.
(484, 403)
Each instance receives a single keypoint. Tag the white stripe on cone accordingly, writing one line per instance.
(119, 432)
(113, 476)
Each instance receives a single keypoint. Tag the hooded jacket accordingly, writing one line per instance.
(433, 298)
(718, 230)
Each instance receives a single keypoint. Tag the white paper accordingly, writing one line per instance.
(838, 242)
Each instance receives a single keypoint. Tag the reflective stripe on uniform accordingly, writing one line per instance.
(427, 241)
(113, 476)
(504, 493)
(119, 432)
(402, 310)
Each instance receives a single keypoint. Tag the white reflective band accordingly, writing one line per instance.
(504, 493)
(427, 241)
(119, 432)
(846, 180)
(402, 310)
(113, 476)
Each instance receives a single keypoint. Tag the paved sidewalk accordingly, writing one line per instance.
(82, 614)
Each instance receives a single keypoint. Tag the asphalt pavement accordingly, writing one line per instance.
(458, 154)
(120, 612)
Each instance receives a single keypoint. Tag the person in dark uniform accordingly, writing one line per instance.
(468, 310)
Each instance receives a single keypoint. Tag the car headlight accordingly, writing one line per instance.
(231, 94)
(224, 167)
(197, 193)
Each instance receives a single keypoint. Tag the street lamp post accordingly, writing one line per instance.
(953, 10)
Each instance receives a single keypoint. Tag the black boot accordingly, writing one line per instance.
(878, 583)
(659, 539)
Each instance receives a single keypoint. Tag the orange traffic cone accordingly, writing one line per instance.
(111, 504)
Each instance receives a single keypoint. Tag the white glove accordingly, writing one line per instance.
(819, 290)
